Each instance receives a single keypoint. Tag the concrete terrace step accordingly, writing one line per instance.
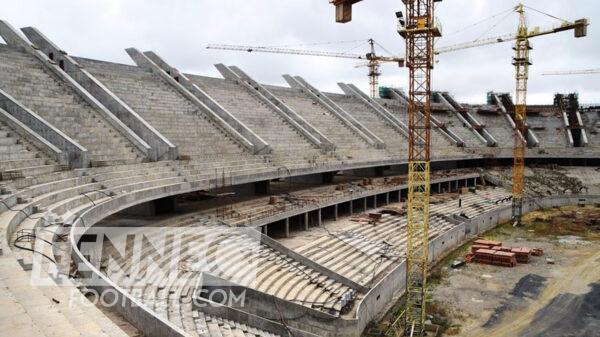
(171, 113)
(257, 116)
(36, 88)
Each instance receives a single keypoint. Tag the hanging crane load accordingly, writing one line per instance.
(373, 64)
(343, 9)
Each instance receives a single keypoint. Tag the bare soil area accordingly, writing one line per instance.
(538, 299)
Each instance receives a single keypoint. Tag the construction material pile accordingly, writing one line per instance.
(493, 253)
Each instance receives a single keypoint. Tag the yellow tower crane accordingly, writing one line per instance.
(374, 60)
(521, 61)
(419, 30)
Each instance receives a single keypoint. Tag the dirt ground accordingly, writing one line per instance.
(531, 300)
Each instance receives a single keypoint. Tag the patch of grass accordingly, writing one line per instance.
(571, 220)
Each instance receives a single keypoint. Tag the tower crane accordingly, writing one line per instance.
(521, 61)
(373, 64)
(419, 30)
(572, 72)
(536, 31)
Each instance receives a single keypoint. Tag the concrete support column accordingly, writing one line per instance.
(365, 204)
(474, 182)
(335, 212)
(466, 182)
(351, 207)
(287, 227)
(306, 221)
(449, 186)
(387, 198)
(320, 217)
(439, 188)
(375, 201)
(265, 230)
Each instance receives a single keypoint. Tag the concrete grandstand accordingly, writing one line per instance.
(234, 170)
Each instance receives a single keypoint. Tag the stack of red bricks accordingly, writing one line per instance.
(492, 252)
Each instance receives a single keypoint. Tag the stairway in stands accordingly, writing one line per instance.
(24, 78)
(19, 158)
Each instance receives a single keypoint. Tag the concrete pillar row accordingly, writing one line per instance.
(320, 214)
(335, 212)
(306, 221)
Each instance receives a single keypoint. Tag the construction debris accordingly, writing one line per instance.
(493, 253)
(375, 217)
(457, 264)
(368, 218)
(488, 243)
(537, 252)
(393, 210)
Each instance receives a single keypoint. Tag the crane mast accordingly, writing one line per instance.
(419, 32)
(374, 72)
(521, 62)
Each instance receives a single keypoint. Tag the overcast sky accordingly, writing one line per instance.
(180, 29)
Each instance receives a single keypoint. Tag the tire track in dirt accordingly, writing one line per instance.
(584, 270)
